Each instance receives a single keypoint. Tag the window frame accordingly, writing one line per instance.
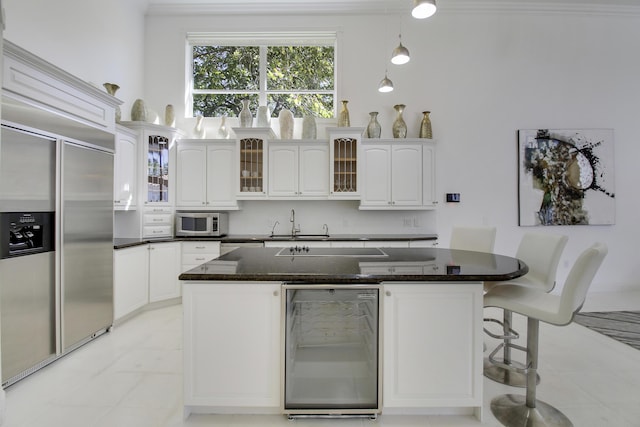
(263, 40)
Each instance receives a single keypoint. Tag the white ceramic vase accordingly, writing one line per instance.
(246, 118)
(170, 116)
(139, 111)
(263, 117)
(309, 128)
(199, 131)
(286, 124)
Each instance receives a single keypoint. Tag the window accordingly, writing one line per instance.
(292, 71)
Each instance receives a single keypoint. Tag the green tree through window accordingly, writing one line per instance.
(296, 77)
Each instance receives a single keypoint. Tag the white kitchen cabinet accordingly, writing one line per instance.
(432, 346)
(125, 169)
(252, 160)
(197, 253)
(157, 221)
(298, 170)
(164, 269)
(206, 175)
(130, 280)
(144, 274)
(344, 164)
(157, 163)
(232, 346)
(392, 176)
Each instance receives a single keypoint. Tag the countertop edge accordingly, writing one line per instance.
(128, 243)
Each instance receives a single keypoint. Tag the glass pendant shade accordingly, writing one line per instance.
(385, 84)
(423, 8)
(400, 55)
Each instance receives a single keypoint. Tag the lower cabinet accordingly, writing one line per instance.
(232, 346)
(197, 253)
(432, 346)
(164, 269)
(144, 274)
(131, 280)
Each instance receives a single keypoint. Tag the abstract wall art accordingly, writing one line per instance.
(566, 177)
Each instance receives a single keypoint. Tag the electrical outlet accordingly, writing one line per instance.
(406, 222)
(453, 197)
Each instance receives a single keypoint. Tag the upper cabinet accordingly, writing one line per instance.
(30, 80)
(125, 169)
(157, 153)
(252, 160)
(299, 170)
(206, 174)
(344, 165)
(397, 174)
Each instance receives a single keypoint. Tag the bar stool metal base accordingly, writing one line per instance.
(511, 410)
(515, 377)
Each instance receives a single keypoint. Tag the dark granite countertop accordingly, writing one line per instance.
(121, 243)
(357, 265)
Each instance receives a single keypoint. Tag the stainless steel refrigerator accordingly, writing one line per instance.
(56, 297)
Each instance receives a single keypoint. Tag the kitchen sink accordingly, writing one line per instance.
(298, 236)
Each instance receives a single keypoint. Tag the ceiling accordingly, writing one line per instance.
(380, 6)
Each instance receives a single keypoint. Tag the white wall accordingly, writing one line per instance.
(483, 76)
(97, 41)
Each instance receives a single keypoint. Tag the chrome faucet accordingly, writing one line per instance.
(273, 230)
(325, 227)
(294, 230)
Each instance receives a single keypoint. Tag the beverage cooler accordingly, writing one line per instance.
(332, 350)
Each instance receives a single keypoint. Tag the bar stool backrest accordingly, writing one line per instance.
(541, 252)
(579, 280)
(479, 239)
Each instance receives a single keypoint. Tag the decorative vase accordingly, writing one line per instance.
(112, 88)
(309, 128)
(169, 115)
(223, 132)
(425, 126)
(286, 124)
(199, 131)
(399, 126)
(263, 117)
(343, 119)
(246, 118)
(139, 111)
(373, 128)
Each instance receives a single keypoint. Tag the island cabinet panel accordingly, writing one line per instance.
(232, 347)
(432, 347)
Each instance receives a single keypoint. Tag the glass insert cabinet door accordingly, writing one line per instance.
(157, 169)
(331, 350)
(345, 171)
(251, 165)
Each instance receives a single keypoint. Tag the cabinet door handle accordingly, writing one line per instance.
(388, 293)
(276, 293)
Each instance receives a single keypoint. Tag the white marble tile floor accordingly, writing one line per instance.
(132, 377)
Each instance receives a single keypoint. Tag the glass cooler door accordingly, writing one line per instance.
(331, 350)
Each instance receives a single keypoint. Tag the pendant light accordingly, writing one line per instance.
(423, 8)
(400, 54)
(385, 85)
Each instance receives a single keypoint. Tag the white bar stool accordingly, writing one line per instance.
(479, 239)
(516, 410)
(541, 252)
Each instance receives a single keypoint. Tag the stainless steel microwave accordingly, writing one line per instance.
(202, 224)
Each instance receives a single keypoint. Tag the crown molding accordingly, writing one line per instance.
(360, 7)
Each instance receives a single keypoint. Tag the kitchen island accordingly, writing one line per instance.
(430, 325)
